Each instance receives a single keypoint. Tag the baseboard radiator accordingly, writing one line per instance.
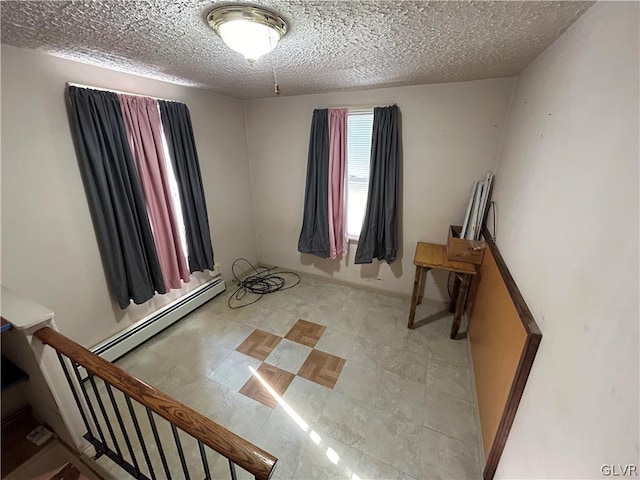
(141, 331)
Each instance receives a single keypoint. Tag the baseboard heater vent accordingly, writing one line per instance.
(138, 333)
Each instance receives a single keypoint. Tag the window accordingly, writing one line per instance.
(359, 132)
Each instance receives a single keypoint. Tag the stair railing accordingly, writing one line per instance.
(103, 435)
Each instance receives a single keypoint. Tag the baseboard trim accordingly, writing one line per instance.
(128, 339)
(344, 283)
(481, 455)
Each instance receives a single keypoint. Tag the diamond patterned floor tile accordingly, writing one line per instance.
(259, 344)
(277, 379)
(306, 333)
(322, 368)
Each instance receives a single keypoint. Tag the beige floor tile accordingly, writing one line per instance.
(176, 380)
(252, 315)
(407, 364)
(232, 335)
(416, 345)
(145, 364)
(307, 399)
(288, 355)
(202, 394)
(220, 470)
(284, 438)
(218, 305)
(301, 309)
(382, 328)
(330, 459)
(336, 342)
(371, 468)
(176, 335)
(450, 458)
(402, 397)
(433, 320)
(449, 351)
(200, 356)
(360, 299)
(345, 419)
(368, 353)
(203, 324)
(234, 371)
(450, 415)
(395, 441)
(387, 437)
(451, 379)
(359, 381)
(282, 300)
(245, 417)
(320, 293)
(278, 322)
(346, 319)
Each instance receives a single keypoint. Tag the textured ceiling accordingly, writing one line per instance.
(331, 45)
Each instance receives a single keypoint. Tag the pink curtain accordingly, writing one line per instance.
(142, 121)
(337, 165)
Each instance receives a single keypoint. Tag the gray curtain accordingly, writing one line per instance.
(182, 150)
(379, 235)
(314, 236)
(115, 196)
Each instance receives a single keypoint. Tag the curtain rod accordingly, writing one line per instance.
(79, 85)
(362, 108)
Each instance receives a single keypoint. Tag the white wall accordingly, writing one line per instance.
(451, 135)
(49, 249)
(567, 195)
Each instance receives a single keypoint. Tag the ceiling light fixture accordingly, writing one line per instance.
(250, 31)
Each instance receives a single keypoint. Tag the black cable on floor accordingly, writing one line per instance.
(262, 282)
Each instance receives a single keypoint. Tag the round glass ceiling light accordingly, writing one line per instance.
(250, 31)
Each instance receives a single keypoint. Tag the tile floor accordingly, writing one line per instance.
(361, 395)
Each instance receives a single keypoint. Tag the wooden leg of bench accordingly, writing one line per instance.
(455, 293)
(414, 297)
(421, 287)
(462, 296)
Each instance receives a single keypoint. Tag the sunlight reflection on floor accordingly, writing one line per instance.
(330, 453)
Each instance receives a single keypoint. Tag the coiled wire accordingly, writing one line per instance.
(262, 282)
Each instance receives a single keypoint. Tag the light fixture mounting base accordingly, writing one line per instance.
(226, 13)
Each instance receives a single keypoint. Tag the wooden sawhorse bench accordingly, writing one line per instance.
(432, 256)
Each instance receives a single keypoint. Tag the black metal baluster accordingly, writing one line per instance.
(104, 414)
(158, 443)
(205, 463)
(94, 417)
(232, 468)
(116, 410)
(74, 392)
(180, 452)
(136, 425)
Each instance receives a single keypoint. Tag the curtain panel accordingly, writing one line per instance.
(115, 196)
(182, 150)
(379, 235)
(314, 235)
(144, 133)
(337, 171)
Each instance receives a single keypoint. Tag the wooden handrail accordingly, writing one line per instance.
(241, 452)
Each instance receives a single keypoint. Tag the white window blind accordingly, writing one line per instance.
(359, 132)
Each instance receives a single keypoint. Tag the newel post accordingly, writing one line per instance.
(47, 389)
